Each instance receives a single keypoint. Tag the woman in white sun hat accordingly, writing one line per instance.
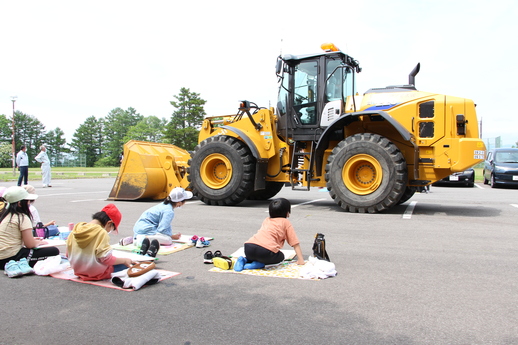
(155, 223)
(19, 250)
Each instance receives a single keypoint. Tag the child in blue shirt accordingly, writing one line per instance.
(155, 223)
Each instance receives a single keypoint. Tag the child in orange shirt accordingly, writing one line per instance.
(264, 248)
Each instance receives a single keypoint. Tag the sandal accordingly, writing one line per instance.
(140, 268)
(207, 257)
(217, 254)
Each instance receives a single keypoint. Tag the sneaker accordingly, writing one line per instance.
(194, 239)
(153, 248)
(144, 246)
(23, 265)
(240, 264)
(202, 243)
(12, 270)
(217, 254)
(207, 257)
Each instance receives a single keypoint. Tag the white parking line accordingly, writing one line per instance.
(478, 186)
(57, 194)
(514, 205)
(87, 200)
(307, 202)
(303, 203)
(409, 210)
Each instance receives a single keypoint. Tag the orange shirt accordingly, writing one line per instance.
(273, 233)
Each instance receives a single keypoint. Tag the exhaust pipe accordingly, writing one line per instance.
(411, 76)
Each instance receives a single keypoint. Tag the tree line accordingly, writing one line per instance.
(100, 140)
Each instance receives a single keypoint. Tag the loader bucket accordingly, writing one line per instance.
(149, 171)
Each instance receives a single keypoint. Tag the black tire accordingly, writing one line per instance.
(271, 190)
(366, 173)
(486, 181)
(493, 183)
(221, 171)
(407, 194)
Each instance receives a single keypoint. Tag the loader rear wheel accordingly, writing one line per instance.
(366, 173)
(221, 171)
(271, 190)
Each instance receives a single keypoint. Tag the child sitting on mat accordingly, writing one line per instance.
(264, 248)
(155, 223)
(88, 246)
(19, 249)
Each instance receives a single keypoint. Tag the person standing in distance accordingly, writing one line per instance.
(43, 158)
(22, 161)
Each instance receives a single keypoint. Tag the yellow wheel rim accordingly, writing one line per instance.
(216, 171)
(362, 174)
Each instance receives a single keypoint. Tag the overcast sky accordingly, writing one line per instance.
(68, 60)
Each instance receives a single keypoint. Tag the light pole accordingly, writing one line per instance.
(13, 99)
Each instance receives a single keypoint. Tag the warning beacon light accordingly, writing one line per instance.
(329, 47)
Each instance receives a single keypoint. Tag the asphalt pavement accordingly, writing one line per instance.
(438, 269)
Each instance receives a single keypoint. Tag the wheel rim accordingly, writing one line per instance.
(362, 174)
(216, 171)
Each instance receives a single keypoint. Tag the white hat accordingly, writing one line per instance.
(179, 194)
(15, 194)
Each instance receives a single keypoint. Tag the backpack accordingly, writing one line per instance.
(319, 247)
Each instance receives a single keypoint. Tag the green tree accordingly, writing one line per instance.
(183, 129)
(6, 129)
(6, 139)
(116, 125)
(56, 142)
(150, 128)
(29, 131)
(6, 155)
(88, 140)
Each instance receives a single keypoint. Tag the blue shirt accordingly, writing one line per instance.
(155, 220)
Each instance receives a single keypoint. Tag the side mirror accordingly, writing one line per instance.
(278, 67)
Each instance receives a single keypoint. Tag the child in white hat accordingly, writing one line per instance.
(155, 223)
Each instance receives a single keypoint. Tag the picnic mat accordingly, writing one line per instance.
(53, 242)
(182, 243)
(68, 274)
(285, 269)
(164, 250)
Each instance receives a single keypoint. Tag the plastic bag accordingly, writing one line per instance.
(50, 265)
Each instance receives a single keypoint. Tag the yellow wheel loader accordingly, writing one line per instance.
(371, 152)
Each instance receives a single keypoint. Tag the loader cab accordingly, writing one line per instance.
(313, 91)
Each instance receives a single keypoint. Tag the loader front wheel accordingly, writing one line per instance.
(409, 192)
(366, 173)
(221, 171)
(271, 190)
